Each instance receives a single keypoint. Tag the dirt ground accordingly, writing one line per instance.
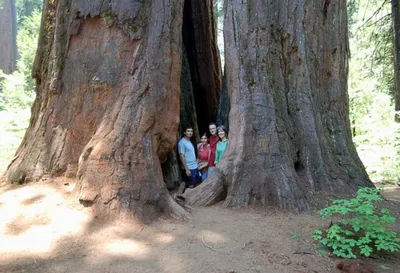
(44, 229)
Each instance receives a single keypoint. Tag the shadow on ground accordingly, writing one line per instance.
(44, 229)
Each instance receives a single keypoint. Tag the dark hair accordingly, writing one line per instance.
(185, 127)
(192, 140)
(204, 134)
(222, 127)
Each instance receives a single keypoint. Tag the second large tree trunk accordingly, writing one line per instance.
(286, 68)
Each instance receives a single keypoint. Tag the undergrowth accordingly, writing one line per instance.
(362, 229)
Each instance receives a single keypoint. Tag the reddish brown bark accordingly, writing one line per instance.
(8, 36)
(107, 103)
(286, 68)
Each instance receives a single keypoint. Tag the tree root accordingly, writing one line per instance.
(176, 210)
(206, 194)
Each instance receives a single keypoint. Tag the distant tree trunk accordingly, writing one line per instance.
(8, 36)
(290, 136)
(107, 103)
(396, 48)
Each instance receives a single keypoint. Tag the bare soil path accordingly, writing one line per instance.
(44, 229)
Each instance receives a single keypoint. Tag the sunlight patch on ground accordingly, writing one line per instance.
(164, 238)
(127, 247)
(33, 220)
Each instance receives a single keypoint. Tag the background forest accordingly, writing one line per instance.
(371, 85)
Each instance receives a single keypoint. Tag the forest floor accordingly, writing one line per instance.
(44, 229)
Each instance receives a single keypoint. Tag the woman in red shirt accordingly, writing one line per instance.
(204, 153)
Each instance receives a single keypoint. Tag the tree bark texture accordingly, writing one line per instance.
(8, 36)
(107, 103)
(223, 106)
(396, 50)
(108, 95)
(286, 69)
(172, 168)
(200, 40)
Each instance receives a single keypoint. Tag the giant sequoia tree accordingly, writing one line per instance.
(286, 68)
(107, 106)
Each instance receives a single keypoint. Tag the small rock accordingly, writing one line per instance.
(354, 266)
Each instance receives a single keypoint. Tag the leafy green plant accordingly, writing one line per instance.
(363, 228)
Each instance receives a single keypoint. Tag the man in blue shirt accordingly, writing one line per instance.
(187, 156)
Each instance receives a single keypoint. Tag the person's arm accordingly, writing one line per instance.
(198, 158)
(209, 153)
(182, 158)
(181, 150)
(216, 155)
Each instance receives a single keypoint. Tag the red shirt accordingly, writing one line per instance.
(213, 147)
(203, 153)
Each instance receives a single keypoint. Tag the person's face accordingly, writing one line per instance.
(204, 140)
(221, 134)
(213, 129)
(188, 133)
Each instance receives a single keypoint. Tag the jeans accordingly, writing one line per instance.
(204, 176)
(194, 178)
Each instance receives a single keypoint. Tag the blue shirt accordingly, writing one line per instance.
(186, 148)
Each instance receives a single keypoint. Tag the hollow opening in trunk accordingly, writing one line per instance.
(199, 42)
(201, 79)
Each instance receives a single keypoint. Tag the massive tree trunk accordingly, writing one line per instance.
(396, 50)
(8, 36)
(107, 103)
(286, 68)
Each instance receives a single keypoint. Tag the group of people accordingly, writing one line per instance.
(199, 161)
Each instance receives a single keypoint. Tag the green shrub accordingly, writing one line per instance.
(363, 228)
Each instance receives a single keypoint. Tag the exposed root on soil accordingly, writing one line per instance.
(206, 194)
(176, 210)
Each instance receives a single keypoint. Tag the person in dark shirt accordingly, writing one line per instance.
(213, 143)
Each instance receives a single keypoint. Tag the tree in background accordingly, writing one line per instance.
(371, 88)
(396, 49)
(8, 34)
(25, 8)
(18, 88)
